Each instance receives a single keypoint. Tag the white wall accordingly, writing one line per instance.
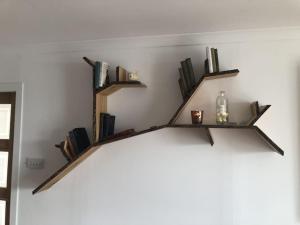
(172, 176)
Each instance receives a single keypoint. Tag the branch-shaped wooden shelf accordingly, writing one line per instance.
(100, 105)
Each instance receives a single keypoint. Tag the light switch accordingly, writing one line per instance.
(35, 163)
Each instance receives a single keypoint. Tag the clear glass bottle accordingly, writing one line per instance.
(222, 108)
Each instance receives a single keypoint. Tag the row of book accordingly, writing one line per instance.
(212, 61)
(187, 78)
(74, 144)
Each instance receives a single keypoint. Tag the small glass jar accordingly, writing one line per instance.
(222, 108)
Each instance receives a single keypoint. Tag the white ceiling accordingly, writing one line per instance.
(36, 21)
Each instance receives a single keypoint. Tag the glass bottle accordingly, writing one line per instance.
(222, 108)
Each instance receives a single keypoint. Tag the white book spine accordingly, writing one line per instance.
(104, 69)
(209, 58)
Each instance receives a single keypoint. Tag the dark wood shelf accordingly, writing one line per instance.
(100, 105)
(115, 86)
(208, 76)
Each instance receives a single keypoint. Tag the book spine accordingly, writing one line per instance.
(206, 66)
(184, 83)
(191, 71)
(97, 74)
(212, 50)
(209, 58)
(104, 70)
(181, 88)
(74, 142)
(186, 74)
(217, 60)
(101, 126)
(111, 127)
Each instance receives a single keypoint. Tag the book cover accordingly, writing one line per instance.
(104, 125)
(82, 138)
(74, 142)
(186, 74)
(206, 66)
(191, 72)
(184, 83)
(111, 125)
(97, 71)
(212, 50)
(217, 60)
(209, 58)
(181, 87)
(71, 147)
(103, 73)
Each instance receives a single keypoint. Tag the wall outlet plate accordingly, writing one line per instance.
(35, 163)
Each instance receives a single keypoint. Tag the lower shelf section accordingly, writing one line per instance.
(71, 165)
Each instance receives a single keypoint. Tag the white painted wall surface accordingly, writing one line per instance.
(172, 176)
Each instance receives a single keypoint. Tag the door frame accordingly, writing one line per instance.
(15, 176)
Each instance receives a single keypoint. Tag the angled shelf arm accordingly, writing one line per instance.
(210, 76)
(271, 143)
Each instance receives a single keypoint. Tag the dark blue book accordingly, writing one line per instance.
(97, 71)
(82, 139)
(111, 125)
(103, 126)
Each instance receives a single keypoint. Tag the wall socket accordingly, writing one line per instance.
(35, 163)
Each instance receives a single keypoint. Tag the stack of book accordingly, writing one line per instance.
(106, 126)
(100, 74)
(212, 61)
(187, 78)
(74, 144)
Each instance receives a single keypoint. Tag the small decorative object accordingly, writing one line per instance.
(197, 116)
(133, 76)
(222, 108)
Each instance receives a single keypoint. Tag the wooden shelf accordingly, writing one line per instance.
(209, 76)
(115, 86)
(59, 174)
(100, 105)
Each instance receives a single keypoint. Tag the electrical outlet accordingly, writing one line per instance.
(35, 163)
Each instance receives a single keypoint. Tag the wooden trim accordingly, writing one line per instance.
(268, 140)
(5, 193)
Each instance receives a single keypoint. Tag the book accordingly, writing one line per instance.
(71, 148)
(185, 71)
(213, 57)
(97, 72)
(103, 73)
(184, 83)
(217, 60)
(107, 124)
(209, 58)
(121, 74)
(206, 66)
(190, 72)
(82, 138)
(111, 125)
(74, 142)
(181, 88)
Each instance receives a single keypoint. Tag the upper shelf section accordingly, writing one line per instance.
(209, 76)
(115, 86)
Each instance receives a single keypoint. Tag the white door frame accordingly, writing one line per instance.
(14, 201)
